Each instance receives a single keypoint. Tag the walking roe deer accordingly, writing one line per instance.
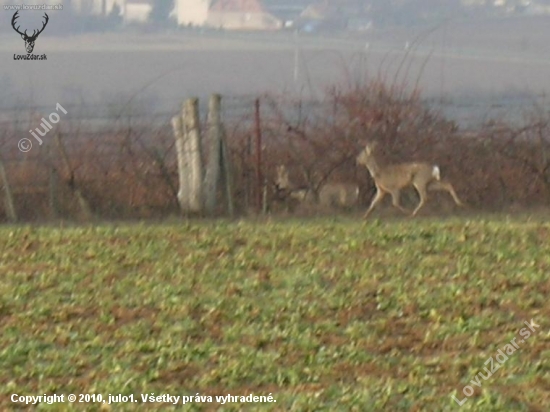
(342, 195)
(392, 178)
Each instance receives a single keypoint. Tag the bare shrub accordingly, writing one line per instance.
(129, 171)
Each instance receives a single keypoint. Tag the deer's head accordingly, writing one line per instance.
(29, 40)
(282, 181)
(366, 153)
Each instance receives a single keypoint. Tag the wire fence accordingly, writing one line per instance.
(120, 157)
(118, 160)
(467, 112)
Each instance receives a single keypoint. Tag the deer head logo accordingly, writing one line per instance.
(29, 40)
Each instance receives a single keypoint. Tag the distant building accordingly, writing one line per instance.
(225, 14)
(97, 7)
(137, 11)
(538, 8)
(132, 11)
(191, 12)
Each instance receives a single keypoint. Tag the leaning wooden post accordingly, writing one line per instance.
(247, 173)
(183, 191)
(227, 174)
(214, 154)
(192, 144)
(8, 200)
(258, 132)
(85, 207)
(53, 185)
(264, 198)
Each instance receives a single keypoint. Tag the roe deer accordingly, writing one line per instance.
(330, 194)
(392, 178)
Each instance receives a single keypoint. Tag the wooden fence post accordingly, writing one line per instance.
(227, 174)
(191, 127)
(247, 173)
(71, 180)
(183, 191)
(259, 180)
(8, 197)
(188, 148)
(214, 154)
(53, 185)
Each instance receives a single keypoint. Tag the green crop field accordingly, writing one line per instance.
(321, 314)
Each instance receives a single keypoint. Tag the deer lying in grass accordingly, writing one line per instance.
(343, 195)
(392, 178)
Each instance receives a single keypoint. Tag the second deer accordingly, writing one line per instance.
(342, 195)
(392, 178)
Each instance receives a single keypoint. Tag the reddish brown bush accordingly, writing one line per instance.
(131, 172)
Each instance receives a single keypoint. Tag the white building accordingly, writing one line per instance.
(225, 14)
(191, 12)
(137, 11)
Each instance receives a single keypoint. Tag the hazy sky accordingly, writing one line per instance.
(453, 60)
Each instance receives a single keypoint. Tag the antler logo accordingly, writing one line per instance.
(29, 40)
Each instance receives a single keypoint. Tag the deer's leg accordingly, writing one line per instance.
(377, 199)
(421, 189)
(395, 195)
(446, 186)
